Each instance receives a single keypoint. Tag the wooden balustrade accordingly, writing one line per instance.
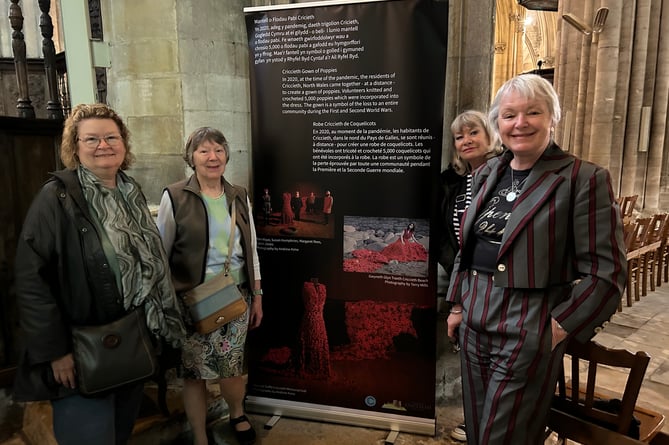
(24, 104)
(53, 107)
(54, 68)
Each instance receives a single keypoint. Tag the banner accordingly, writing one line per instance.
(347, 115)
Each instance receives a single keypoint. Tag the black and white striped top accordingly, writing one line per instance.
(462, 201)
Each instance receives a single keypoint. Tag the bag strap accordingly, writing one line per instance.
(231, 240)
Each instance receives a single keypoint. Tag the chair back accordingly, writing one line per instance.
(656, 229)
(629, 231)
(626, 204)
(580, 399)
(641, 233)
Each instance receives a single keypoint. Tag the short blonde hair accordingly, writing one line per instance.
(82, 112)
(471, 119)
(529, 86)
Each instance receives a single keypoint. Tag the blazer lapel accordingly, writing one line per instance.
(544, 178)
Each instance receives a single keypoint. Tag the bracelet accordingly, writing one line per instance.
(456, 312)
(256, 292)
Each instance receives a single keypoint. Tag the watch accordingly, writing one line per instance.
(256, 292)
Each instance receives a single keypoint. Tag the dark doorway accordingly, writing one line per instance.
(28, 152)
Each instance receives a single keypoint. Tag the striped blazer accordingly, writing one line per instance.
(565, 231)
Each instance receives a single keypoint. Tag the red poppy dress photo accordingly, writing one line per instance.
(314, 350)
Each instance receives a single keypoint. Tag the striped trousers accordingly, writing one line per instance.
(508, 370)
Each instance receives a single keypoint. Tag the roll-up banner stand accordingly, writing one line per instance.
(347, 106)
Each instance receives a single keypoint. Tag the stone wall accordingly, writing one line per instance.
(175, 68)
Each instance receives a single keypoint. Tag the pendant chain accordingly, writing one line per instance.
(515, 189)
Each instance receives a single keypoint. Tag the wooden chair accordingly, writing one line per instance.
(653, 244)
(626, 204)
(635, 243)
(629, 231)
(663, 257)
(579, 409)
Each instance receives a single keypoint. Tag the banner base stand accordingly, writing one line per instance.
(390, 440)
(271, 422)
(324, 413)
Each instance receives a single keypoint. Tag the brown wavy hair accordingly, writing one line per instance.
(68, 145)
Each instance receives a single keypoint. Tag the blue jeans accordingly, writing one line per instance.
(106, 420)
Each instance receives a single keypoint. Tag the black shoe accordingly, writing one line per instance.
(245, 437)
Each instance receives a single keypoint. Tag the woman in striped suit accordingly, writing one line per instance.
(541, 259)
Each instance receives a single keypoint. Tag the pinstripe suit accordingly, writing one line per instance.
(561, 256)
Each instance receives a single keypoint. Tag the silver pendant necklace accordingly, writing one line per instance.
(515, 189)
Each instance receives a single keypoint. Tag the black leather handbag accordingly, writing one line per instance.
(114, 354)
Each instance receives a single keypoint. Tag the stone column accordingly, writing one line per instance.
(469, 61)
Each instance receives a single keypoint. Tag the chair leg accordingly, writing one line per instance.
(630, 284)
(658, 267)
(637, 275)
(653, 271)
(643, 264)
(628, 291)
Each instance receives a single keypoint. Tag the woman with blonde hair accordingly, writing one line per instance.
(474, 142)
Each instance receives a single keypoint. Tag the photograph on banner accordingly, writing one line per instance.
(306, 213)
(347, 106)
(390, 246)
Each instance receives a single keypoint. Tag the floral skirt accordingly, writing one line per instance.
(219, 354)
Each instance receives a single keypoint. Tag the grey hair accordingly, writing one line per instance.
(471, 119)
(529, 86)
(201, 135)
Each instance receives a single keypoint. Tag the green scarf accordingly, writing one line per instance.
(143, 271)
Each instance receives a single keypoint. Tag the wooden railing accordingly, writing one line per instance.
(53, 107)
(25, 108)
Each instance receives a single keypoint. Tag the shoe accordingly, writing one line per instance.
(245, 437)
(459, 433)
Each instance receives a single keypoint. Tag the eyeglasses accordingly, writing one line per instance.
(94, 142)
